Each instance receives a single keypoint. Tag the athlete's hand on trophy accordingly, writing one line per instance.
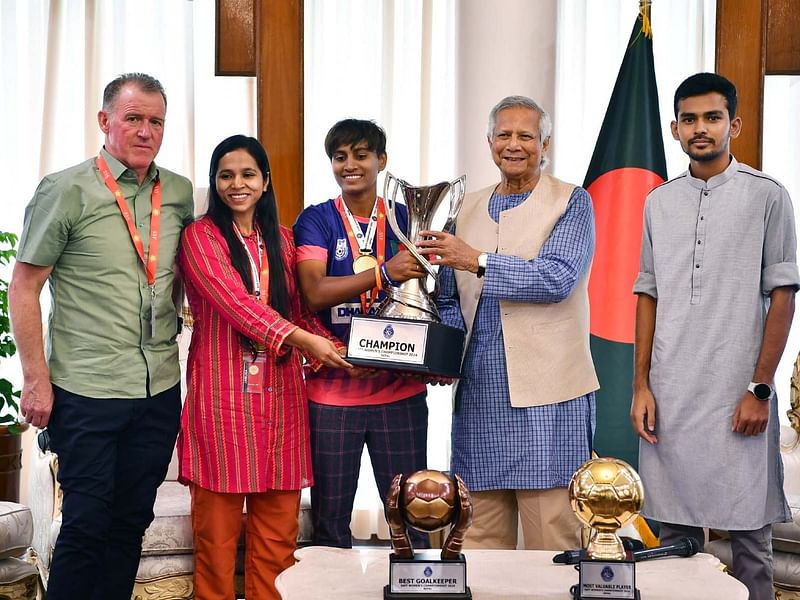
(403, 266)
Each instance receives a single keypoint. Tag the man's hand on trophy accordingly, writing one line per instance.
(452, 545)
(443, 248)
(402, 267)
(394, 517)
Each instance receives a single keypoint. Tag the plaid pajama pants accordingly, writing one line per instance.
(396, 438)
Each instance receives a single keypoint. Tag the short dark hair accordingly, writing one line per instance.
(145, 83)
(703, 83)
(349, 132)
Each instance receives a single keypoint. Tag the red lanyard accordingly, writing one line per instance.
(258, 272)
(355, 249)
(151, 261)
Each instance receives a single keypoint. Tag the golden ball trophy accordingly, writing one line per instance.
(606, 494)
(428, 501)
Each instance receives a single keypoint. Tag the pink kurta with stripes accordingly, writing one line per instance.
(231, 441)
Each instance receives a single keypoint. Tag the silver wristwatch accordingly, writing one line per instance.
(762, 391)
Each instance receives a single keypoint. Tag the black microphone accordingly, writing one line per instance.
(573, 557)
(684, 547)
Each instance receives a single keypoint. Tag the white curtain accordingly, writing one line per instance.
(55, 58)
(592, 37)
(781, 156)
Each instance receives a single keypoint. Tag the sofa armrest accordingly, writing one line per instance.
(44, 498)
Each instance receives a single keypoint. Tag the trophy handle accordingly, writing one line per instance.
(458, 189)
(390, 214)
(456, 201)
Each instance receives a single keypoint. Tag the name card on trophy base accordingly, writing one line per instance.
(426, 575)
(405, 344)
(612, 580)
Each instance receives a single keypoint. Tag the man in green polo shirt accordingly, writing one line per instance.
(104, 234)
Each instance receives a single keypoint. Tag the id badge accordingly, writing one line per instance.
(254, 373)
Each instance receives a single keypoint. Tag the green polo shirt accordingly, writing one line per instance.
(99, 341)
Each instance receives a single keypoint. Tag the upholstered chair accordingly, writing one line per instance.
(19, 576)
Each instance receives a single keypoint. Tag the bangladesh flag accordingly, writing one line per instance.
(627, 163)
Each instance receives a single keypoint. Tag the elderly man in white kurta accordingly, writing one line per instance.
(716, 298)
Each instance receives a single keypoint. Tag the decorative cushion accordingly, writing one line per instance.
(171, 529)
(16, 529)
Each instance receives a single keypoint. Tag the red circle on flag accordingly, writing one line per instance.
(618, 197)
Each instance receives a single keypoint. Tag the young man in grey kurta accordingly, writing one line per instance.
(718, 257)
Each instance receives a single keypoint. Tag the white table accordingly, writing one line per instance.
(335, 573)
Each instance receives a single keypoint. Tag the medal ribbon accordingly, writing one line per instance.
(377, 223)
(151, 260)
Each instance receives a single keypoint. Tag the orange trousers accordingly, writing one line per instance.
(271, 538)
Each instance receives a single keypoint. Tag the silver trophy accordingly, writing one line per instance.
(406, 332)
(411, 299)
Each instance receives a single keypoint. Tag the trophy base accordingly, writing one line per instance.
(427, 575)
(608, 579)
(405, 345)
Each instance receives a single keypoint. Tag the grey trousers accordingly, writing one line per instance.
(752, 555)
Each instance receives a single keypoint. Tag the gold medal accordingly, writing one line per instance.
(365, 262)
(253, 370)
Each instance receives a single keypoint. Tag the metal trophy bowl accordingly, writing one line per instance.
(406, 332)
(428, 501)
(606, 494)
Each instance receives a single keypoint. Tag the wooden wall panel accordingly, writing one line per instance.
(280, 99)
(740, 51)
(235, 38)
(783, 37)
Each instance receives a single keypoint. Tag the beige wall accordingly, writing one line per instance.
(502, 49)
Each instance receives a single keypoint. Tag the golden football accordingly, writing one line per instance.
(606, 493)
(429, 500)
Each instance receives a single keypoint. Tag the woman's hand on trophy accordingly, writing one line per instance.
(318, 347)
(443, 248)
(403, 266)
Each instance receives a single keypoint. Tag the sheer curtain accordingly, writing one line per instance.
(781, 155)
(55, 58)
(393, 62)
(591, 43)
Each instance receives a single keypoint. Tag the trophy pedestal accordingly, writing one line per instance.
(427, 575)
(609, 579)
(405, 345)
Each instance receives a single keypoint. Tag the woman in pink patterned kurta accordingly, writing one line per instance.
(244, 427)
